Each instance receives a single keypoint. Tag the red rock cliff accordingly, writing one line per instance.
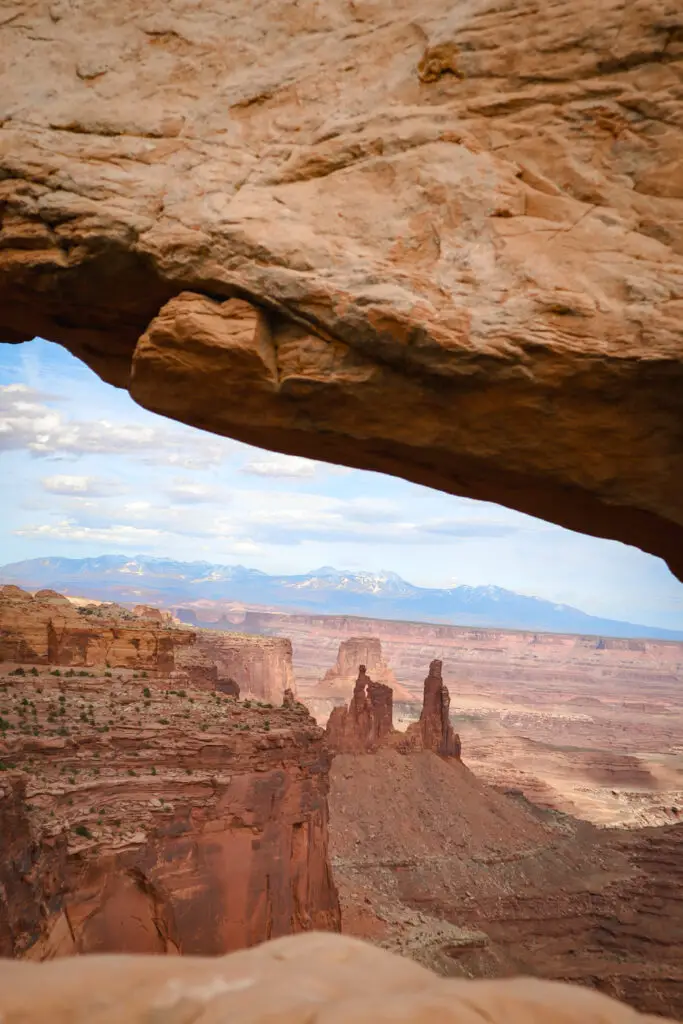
(260, 665)
(177, 824)
(47, 629)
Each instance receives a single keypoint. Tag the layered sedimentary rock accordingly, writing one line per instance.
(357, 650)
(186, 222)
(367, 723)
(327, 977)
(260, 666)
(47, 629)
(147, 611)
(154, 820)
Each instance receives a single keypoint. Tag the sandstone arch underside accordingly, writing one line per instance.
(443, 241)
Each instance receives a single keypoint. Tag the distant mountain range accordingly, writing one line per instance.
(326, 591)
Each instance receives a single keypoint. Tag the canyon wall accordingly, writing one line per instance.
(160, 823)
(261, 666)
(47, 629)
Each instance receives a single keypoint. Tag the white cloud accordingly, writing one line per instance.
(190, 493)
(116, 535)
(27, 423)
(78, 486)
(276, 465)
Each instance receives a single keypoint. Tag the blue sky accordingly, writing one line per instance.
(87, 472)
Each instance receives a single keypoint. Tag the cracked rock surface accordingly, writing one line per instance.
(443, 242)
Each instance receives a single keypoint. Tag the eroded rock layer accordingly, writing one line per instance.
(434, 726)
(432, 863)
(442, 242)
(48, 629)
(136, 819)
(368, 721)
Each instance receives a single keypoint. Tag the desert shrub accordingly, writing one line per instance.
(83, 830)
(34, 671)
(146, 692)
(18, 672)
(55, 672)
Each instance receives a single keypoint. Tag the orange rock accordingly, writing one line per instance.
(47, 629)
(323, 977)
(193, 824)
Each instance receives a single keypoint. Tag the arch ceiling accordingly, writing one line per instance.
(445, 244)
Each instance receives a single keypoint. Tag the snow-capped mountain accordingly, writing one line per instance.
(327, 590)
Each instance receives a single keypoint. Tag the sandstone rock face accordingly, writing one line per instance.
(157, 824)
(435, 729)
(321, 977)
(31, 871)
(147, 611)
(367, 723)
(340, 680)
(48, 629)
(183, 214)
(260, 666)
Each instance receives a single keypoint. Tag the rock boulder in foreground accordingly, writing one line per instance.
(321, 978)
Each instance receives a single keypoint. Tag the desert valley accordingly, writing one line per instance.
(485, 803)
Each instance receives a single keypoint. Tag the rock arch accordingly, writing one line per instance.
(446, 245)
